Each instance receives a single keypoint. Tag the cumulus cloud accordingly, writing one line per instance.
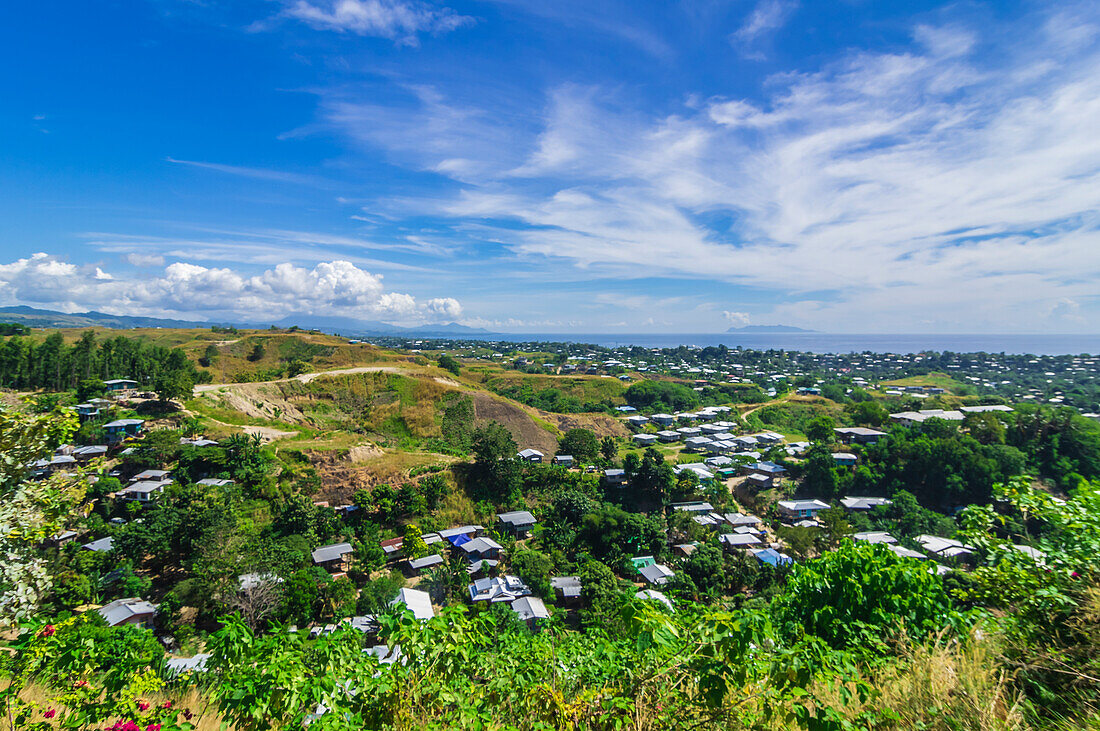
(330, 288)
(145, 260)
(395, 19)
(740, 319)
(886, 189)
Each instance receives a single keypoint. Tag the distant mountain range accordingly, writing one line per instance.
(33, 317)
(751, 329)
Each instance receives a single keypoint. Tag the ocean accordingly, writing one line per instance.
(836, 343)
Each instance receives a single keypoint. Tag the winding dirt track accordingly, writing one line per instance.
(304, 377)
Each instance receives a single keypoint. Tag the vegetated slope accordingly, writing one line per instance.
(524, 429)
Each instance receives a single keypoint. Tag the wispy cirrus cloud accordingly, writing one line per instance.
(400, 20)
(927, 180)
(277, 176)
(766, 17)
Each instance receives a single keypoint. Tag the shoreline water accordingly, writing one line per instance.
(828, 342)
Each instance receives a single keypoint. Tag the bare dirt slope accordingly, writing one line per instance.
(604, 425)
(518, 421)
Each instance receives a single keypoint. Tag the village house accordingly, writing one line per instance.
(530, 610)
(563, 460)
(530, 455)
(100, 545)
(614, 477)
(668, 436)
(845, 459)
(481, 548)
(874, 537)
(334, 558)
(770, 469)
(657, 596)
(858, 435)
(945, 547)
(738, 540)
(800, 509)
(120, 386)
(519, 522)
(637, 421)
(123, 428)
(498, 589)
(135, 611)
(771, 557)
(567, 588)
(416, 601)
(143, 491)
(663, 419)
(417, 565)
(645, 440)
(863, 503)
(656, 574)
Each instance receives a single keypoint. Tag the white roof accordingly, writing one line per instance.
(738, 539)
(103, 544)
(796, 505)
(331, 552)
(121, 610)
(655, 595)
(418, 602)
(873, 536)
(516, 517)
(656, 573)
(530, 607)
(863, 503)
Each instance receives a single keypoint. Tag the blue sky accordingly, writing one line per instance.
(848, 166)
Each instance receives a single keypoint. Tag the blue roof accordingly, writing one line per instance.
(458, 540)
(771, 557)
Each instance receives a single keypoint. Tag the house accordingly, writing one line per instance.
(416, 565)
(771, 557)
(461, 534)
(656, 574)
(197, 442)
(614, 477)
(143, 491)
(769, 469)
(134, 610)
(698, 468)
(690, 431)
(498, 589)
(982, 409)
(645, 440)
(663, 419)
(945, 547)
(518, 522)
(120, 385)
(845, 459)
(738, 540)
(335, 557)
(874, 536)
(758, 482)
(91, 451)
(87, 411)
(214, 482)
(391, 547)
(122, 428)
(530, 609)
(416, 601)
(907, 418)
(687, 416)
(668, 436)
(713, 429)
(657, 596)
(741, 519)
(100, 545)
(695, 507)
(858, 435)
(567, 587)
(637, 421)
(906, 552)
(530, 455)
(151, 476)
(863, 503)
(563, 460)
(800, 509)
(718, 462)
(481, 548)
(696, 444)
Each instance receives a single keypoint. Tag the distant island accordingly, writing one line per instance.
(769, 329)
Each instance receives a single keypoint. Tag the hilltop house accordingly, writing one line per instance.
(123, 428)
(530, 610)
(645, 440)
(614, 477)
(530, 455)
(845, 459)
(656, 574)
(416, 601)
(120, 385)
(481, 548)
(498, 589)
(858, 435)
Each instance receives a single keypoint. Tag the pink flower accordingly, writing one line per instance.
(80, 684)
(50, 713)
(143, 706)
(48, 631)
(153, 727)
(167, 705)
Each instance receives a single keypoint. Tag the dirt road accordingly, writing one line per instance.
(303, 377)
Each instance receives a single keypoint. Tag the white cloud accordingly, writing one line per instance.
(766, 17)
(880, 192)
(329, 288)
(395, 19)
(739, 319)
(145, 260)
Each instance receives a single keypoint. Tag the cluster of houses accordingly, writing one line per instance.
(907, 418)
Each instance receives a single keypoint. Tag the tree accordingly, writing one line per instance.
(868, 413)
(30, 511)
(174, 385)
(300, 597)
(413, 544)
(89, 388)
(821, 430)
(600, 592)
(258, 600)
(209, 356)
(496, 472)
(609, 449)
(581, 443)
(458, 422)
(257, 352)
(534, 568)
(819, 473)
(449, 363)
(655, 477)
